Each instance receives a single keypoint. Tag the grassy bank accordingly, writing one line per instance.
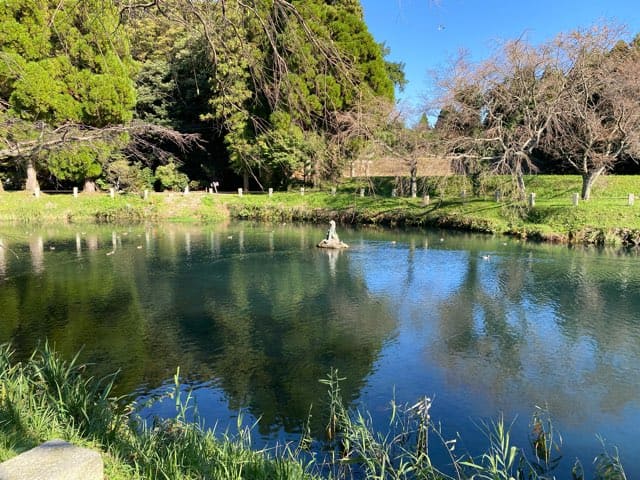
(605, 219)
(47, 398)
(24, 207)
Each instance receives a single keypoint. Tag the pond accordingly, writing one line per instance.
(254, 316)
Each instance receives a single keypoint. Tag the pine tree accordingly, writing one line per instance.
(62, 62)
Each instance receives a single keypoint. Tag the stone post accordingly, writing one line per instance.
(394, 192)
(632, 199)
(302, 191)
(112, 192)
(270, 192)
(532, 199)
(333, 190)
(426, 200)
(146, 194)
(75, 192)
(54, 460)
(239, 192)
(36, 192)
(362, 192)
(575, 198)
(186, 190)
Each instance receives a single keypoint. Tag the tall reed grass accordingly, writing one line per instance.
(47, 397)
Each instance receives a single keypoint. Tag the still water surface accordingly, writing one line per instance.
(254, 315)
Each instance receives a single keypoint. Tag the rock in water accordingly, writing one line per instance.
(332, 240)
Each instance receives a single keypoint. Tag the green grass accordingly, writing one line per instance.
(46, 398)
(606, 218)
(23, 207)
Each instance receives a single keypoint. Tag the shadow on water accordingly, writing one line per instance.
(257, 313)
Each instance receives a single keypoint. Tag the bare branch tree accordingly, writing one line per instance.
(494, 114)
(144, 137)
(599, 115)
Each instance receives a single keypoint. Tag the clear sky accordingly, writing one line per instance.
(425, 34)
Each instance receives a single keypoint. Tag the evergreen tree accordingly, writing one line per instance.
(63, 62)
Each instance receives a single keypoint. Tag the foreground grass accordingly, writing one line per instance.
(47, 398)
(606, 219)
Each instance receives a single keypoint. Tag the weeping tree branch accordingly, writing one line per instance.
(71, 133)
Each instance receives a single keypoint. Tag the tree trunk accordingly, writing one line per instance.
(414, 180)
(89, 186)
(588, 179)
(314, 175)
(32, 178)
(521, 185)
(245, 181)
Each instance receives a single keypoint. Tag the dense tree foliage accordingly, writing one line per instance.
(61, 63)
(267, 86)
(271, 92)
(260, 82)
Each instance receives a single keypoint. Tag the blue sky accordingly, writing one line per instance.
(425, 34)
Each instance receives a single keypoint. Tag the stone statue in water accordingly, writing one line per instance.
(332, 240)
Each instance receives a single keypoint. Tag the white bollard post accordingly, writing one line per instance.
(426, 200)
(270, 192)
(186, 190)
(239, 192)
(146, 194)
(632, 199)
(575, 198)
(394, 192)
(532, 199)
(362, 192)
(302, 191)
(112, 192)
(75, 192)
(36, 192)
